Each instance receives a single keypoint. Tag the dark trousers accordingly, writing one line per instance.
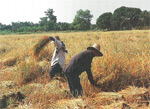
(74, 84)
(56, 69)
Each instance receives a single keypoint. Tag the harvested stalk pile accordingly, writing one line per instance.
(10, 61)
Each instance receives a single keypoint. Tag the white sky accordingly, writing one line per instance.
(65, 10)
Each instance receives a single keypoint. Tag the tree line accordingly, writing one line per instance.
(123, 18)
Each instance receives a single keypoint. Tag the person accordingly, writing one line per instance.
(58, 59)
(78, 64)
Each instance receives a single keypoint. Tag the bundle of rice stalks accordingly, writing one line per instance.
(35, 50)
(26, 72)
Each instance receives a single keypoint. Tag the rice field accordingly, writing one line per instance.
(124, 68)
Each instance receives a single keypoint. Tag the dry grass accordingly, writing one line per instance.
(10, 61)
(126, 61)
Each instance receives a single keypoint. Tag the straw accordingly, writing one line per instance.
(39, 46)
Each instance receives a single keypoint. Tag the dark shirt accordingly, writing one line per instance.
(80, 63)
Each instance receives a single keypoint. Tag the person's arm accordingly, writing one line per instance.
(90, 77)
(57, 43)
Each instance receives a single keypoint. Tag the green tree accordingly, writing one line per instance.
(63, 26)
(82, 20)
(125, 18)
(93, 27)
(104, 21)
(24, 27)
(145, 18)
(133, 14)
(49, 14)
(48, 22)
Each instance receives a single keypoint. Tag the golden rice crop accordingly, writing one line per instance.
(125, 61)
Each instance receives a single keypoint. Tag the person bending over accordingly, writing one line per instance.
(78, 64)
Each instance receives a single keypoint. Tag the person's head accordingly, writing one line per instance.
(95, 49)
(57, 37)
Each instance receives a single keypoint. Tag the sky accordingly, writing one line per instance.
(65, 10)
